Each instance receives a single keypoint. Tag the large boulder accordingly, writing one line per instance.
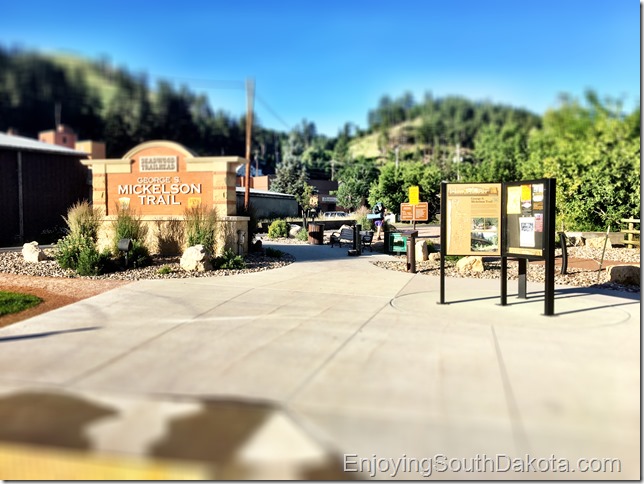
(598, 243)
(627, 275)
(196, 258)
(31, 252)
(470, 264)
(422, 252)
(294, 230)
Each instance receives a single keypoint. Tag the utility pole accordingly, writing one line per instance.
(256, 163)
(250, 95)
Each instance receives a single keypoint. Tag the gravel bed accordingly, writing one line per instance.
(536, 272)
(13, 263)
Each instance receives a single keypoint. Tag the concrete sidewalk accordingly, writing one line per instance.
(301, 371)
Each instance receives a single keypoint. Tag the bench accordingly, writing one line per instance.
(346, 235)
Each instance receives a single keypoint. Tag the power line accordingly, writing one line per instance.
(226, 84)
(272, 111)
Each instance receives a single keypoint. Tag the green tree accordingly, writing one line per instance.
(593, 150)
(290, 174)
(498, 151)
(129, 116)
(392, 186)
(354, 183)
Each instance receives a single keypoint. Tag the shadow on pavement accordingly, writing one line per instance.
(7, 339)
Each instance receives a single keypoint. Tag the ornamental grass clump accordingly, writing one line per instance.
(128, 225)
(77, 250)
(362, 220)
(201, 227)
(83, 220)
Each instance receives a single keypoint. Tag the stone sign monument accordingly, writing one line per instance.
(159, 180)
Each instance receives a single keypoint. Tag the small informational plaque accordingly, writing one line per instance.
(414, 213)
(158, 163)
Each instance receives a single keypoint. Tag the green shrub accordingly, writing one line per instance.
(201, 225)
(139, 255)
(228, 260)
(128, 225)
(91, 262)
(83, 220)
(274, 253)
(68, 250)
(302, 235)
(81, 255)
(165, 270)
(77, 250)
(279, 228)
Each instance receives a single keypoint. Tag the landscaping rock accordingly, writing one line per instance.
(196, 258)
(422, 251)
(598, 243)
(294, 230)
(627, 275)
(435, 257)
(470, 264)
(31, 252)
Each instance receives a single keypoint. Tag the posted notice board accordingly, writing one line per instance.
(414, 213)
(527, 210)
(473, 218)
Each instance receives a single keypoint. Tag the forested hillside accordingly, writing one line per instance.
(110, 104)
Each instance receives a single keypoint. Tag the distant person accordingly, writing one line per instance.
(379, 209)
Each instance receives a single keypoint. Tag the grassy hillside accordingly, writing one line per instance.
(402, 134)
(96, 78)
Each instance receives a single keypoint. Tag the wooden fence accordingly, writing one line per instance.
(631, 235)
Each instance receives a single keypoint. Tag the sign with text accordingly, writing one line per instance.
(158, 163)
(158, 183)
(414, 213)
(473, 218)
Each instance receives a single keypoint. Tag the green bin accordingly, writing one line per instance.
(397, 243)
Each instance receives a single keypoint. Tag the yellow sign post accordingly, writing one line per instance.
(414, 195)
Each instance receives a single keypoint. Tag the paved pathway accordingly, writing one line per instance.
(300, 371)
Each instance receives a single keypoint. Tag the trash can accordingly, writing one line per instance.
(316, 233)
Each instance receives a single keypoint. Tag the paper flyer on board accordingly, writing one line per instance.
(526, 237)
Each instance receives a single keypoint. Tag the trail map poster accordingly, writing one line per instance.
(473, 218)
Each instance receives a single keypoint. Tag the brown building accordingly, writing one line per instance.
(38, 183)
(61, 136)
(323, 190)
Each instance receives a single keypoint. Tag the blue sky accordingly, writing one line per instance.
(331, 61)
